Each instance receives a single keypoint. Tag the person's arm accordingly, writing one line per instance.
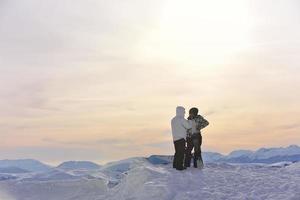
(186, 124)
(189, 128)
(202, 123)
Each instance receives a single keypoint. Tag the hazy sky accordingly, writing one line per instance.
(99, 80)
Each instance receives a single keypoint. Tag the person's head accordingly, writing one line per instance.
(193, 112)
(180, 111)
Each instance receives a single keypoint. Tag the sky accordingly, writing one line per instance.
(100, 80)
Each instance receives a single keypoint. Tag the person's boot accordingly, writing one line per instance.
(199, 164)
(174, 162)
(180, 168)
(195, 162)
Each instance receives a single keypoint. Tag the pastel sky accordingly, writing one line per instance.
(99, 80)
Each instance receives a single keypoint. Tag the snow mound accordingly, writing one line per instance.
(123, 165)
(55, 190)
(143, 182)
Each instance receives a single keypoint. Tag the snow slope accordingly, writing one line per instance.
(215, 181)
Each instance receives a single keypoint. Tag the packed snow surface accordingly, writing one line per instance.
(137, 178)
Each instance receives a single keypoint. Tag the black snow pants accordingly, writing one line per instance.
(195, 143)
(179, 154)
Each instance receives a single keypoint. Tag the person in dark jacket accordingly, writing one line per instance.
(194, 139)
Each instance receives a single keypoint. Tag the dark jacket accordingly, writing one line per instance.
(198, 123)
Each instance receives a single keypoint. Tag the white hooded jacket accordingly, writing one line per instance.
(179, 124)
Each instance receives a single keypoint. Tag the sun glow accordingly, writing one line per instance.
(198, 32)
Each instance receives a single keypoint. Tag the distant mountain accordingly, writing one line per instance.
(157, 159)
(25, 164)
(72, 165)
(164, 159)
(51, 176)
(262, 155)
(211, 156)
(239, 153)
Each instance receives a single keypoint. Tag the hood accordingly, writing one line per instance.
(180, 111)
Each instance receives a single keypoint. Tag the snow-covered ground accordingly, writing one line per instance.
(137, 178)
(154, 178)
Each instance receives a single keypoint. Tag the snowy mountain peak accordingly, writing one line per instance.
(294, 147)
(239, 153)
(263, 153)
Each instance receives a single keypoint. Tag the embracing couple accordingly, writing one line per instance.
(187, 136)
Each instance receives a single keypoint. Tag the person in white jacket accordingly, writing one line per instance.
(180, 127)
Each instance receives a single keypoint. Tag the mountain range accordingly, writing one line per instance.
(262, 155)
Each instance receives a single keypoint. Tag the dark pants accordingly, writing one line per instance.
(179, 154)
(195, 143)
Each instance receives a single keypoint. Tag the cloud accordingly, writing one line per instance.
(113, 142)
(161, 145)
(53, 153)
(210, 112)
(290, 126)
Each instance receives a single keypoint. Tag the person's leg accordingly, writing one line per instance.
(198, 162)
(188, 152)
(180, 152)
(175, 155)
(174, 160)
(197, 150)
(200, 152)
